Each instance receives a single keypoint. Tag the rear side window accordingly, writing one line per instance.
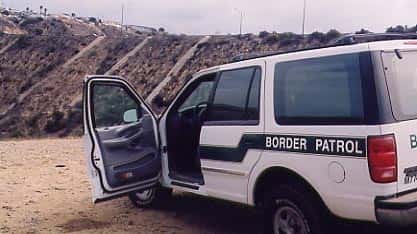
(326, 90)
(402, 83)
(236, 97)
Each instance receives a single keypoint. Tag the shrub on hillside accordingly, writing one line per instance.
(396, 29)
(263, 34)
(22, 43)
(332, 34)
(271, 38)
(38, 31)
(31, 20)
(159, 101)
(55, 122)
(289, 38)
(92, 20)
(317, 36)
(412, 29)
(14, 20)
(363, 31)
(33, 120)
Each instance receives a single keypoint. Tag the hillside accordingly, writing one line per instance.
(43, 61)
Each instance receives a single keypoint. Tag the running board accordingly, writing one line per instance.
(189, 186)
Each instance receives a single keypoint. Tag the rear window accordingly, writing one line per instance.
(402, 83)
(326, 90)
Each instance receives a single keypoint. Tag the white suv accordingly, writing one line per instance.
(301, 135)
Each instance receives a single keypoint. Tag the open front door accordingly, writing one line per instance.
(121, 137)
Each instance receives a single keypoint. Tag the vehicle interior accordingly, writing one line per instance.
(126, 136)
(183, 126)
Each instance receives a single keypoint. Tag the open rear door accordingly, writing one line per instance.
(120, 131)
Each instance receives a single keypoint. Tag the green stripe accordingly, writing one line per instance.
(232, 154)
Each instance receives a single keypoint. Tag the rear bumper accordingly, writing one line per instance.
(397, 210)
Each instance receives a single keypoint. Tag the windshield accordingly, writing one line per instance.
(401, 71)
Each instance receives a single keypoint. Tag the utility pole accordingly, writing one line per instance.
(304, 17)
(121, 26)
(241, 21)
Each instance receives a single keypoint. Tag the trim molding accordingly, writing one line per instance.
(223, 171)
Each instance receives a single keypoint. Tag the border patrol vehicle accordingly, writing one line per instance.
(304, 135)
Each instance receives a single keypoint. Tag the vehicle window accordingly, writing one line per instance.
(254, 96)
(319, 91)
(403, 84)
(199, 95)
(110, 105)
(236, 92)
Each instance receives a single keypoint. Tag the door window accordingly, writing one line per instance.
(237, 96)
(114, 106)
(200, 95)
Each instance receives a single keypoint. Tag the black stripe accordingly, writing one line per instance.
(317, 145)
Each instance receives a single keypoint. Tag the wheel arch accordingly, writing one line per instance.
(279, 174)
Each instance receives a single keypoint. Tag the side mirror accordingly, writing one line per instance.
(130, 116)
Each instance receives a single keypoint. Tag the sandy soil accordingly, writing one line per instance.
(44, 188)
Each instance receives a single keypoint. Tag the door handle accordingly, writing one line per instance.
(122, 141)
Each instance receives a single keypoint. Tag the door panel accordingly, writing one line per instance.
(228, 150)
(124, 152)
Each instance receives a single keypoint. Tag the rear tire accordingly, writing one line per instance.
(150, 197)
(290, 208)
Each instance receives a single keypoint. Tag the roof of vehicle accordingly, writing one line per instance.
(345, 44)
(369, 39)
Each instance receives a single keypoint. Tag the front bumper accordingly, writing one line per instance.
(397, 210)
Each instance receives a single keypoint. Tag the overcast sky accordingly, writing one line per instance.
(222, 16)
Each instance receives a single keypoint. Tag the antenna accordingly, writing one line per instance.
(304, 17)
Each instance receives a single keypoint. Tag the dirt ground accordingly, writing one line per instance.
(44, 189)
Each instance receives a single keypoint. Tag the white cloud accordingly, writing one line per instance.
(210, 16)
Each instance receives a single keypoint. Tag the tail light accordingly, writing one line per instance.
(382, 158)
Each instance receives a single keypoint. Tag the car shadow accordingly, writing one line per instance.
(218, 216)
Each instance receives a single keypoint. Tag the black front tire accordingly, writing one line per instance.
(150, 197)
(290, 208)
